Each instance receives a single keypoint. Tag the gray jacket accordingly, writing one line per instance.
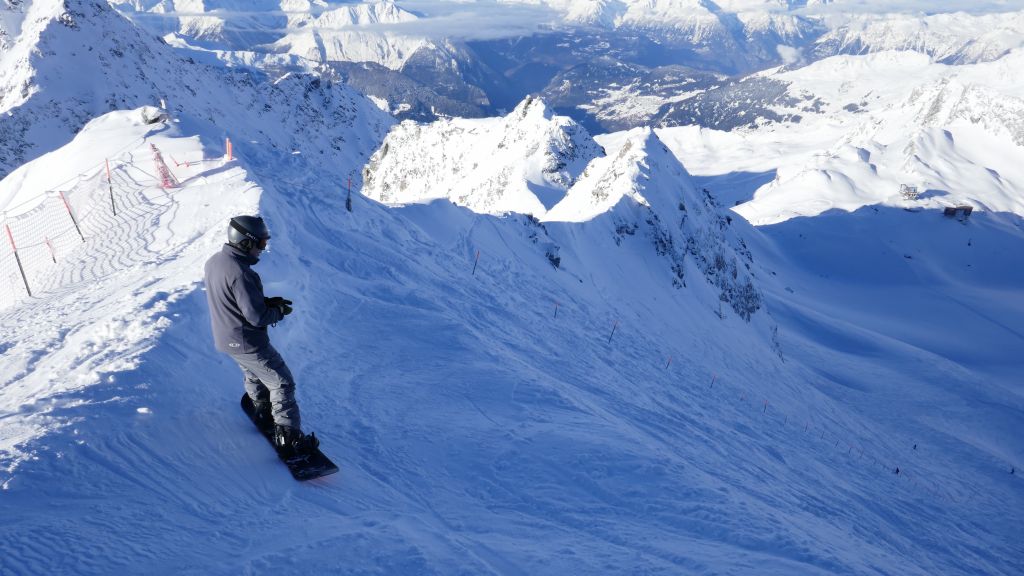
(238, 315)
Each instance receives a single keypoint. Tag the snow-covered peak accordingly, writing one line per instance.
(955, 38)
(523, 162)
(642, 169)
(315, 31)
(365, 14)
(352, 33)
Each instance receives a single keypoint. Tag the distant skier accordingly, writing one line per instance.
(239, 316)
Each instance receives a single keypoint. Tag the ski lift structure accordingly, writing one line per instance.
(961, 212)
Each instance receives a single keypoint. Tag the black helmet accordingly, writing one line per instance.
(246, 232)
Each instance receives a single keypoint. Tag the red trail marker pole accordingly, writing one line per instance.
(669, 362)
(18, 259)
(49, 245)
(72, 215)
(110, 187)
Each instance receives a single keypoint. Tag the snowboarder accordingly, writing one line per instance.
(239, 316)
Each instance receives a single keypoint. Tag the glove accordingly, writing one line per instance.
(282, 304)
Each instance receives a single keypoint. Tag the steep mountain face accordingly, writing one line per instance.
(398, 94)
(106, 63)
(533, 162)
(643, 191)
(521, 163)
(334, 35)
(10, 20)
(455, 72)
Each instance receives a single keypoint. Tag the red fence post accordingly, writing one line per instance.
(167, 179)
(72, 215)
(110, 187)
(53, 254)
(18, 258)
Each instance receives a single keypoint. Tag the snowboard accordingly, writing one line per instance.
(305, 467)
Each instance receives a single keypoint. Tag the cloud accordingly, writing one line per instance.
(474, 20)
(790, 55)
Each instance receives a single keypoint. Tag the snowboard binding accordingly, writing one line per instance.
(292, 442)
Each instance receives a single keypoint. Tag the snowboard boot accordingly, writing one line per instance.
(293, 442)
(264, 418)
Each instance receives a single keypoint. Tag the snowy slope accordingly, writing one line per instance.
(477, 430)
(869, 124)
(75, 60)
(148, 256)
(509, 394)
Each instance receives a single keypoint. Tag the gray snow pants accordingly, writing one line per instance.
(267, 377)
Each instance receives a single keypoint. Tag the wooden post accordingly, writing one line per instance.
(348, 199)
(475, 262)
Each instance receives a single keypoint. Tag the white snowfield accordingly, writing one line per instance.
(634, 380)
